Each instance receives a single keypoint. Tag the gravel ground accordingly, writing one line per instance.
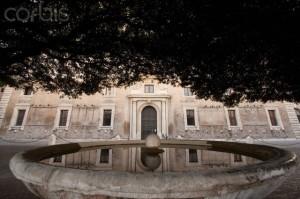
(10, 188)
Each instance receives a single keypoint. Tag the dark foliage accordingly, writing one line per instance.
(225, 50)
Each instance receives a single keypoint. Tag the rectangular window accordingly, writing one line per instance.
(20, 117)
(190, 117)
(193, 156)
(149, 89)
(107, 117)
(57, 159)
(232, 117)
(297, 113)
(63, 118)
(104, 156)
(28, 91)
(188, 92)
(237, 158)
(108, 92)
(272, 116)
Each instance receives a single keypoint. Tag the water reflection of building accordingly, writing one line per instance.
(133, 112)
(119, 159)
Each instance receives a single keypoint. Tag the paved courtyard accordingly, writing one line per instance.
(10, 188)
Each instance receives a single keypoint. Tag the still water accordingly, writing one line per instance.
(137, 159)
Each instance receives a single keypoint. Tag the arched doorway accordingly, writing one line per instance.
(149, 121)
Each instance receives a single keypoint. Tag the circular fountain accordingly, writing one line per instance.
(249, 181)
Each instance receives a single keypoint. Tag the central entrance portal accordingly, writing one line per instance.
(149, 121)
(148, 115)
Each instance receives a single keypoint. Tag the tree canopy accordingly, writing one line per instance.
(227, 51)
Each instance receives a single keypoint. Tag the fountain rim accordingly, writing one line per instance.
(276, 163)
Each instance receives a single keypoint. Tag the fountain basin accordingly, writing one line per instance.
(250, 181)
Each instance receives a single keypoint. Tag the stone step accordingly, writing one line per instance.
(5, 98)
(4, 102)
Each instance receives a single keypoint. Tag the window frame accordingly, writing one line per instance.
(104, 119)
(193, 117)
(62, 163)
(57, 117)
(150, 85)
(187, 158)
(237, 116)
(104, 165)
(240, 159)
(60, 118)
(14, 117)
(18, 115)
(235, 122)
(112, 92)
(278, 118)
(233, 162)
(24, 92)
(101, 118)
(273, 117)
(184, 93)
(196, 118)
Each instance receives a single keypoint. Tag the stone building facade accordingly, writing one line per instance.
(133, 112)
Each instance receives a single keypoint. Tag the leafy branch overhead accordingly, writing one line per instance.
(227, 51)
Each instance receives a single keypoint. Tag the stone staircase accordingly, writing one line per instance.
(295, 124)
(4, 102)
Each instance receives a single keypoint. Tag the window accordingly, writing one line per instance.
(191, 121)
(109, 91)
(193, 156)
(187, 91)
(107, 113)
(104, 156)
(190, 117)
(237, 158)
(28, 91)
(149, 89)
(106, 116)
(232, 118)
(273, 118)
(297, 110)
(20, 117)
(63, 118)
(57, 159)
